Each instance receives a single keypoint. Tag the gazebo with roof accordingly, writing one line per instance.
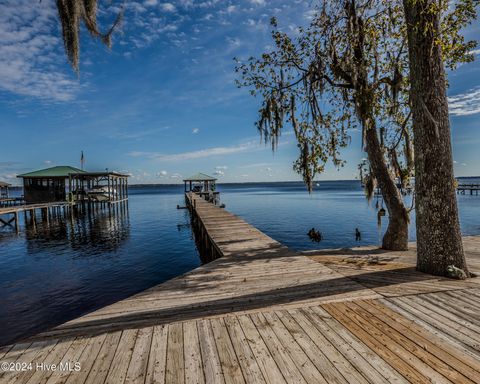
(200, 183)
(4, 189)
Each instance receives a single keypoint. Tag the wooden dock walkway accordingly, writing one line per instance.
(464, 188)
(9, 215)
(15, 210)
(264, 314)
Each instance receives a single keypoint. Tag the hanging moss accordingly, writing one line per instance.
(71, 13)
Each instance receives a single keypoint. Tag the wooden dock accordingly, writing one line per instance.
(472, 188)
(262, 313)
(10, 215)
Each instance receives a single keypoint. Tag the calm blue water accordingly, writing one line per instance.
(61, 271)
(285, 211)
(53, 273)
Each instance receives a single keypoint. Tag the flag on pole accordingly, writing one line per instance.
(82, 161)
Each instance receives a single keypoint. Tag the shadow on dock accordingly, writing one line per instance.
(212, 279)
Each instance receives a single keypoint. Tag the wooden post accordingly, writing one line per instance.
(17, 225)
(108, 183)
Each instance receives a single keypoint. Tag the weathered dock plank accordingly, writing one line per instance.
(262, 313)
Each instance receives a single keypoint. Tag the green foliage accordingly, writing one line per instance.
(454, 47)
(347, 70)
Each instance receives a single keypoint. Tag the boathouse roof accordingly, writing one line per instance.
(3, 184)
(87, 175)
(58, 171)
(200, 177)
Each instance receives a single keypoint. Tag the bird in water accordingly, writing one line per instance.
(358, 235)
(315, 235)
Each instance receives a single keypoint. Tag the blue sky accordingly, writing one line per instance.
(162, 104)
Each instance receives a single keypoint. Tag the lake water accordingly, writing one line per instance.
(58, 271)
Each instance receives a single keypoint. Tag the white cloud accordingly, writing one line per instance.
(234, 42)
(257, 2)
(9, 178)
(467, 103)
(221, 167)
(255, 165)
(203, 153)
(151, 3)
(310, 14)
(162, 173)
(475, 52)
(219, 173)
(195, 130)
(176, 176)
(47, 162)
(168, 7)
(31, 50)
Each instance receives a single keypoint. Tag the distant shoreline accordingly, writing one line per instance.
(272, 182)
(250, 182)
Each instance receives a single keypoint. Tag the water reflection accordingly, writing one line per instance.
(89, 227)
(60, 266)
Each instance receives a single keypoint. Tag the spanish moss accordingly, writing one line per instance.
(71, 14)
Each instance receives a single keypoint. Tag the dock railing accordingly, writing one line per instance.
(463, 188)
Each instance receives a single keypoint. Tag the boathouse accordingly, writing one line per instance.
(4, 190)
(65, 183)
(47, 185)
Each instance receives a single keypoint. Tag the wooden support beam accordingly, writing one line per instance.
(5, 223)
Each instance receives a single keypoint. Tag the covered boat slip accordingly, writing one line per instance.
(262, 313)
(110, 187)
(5, 199)
(4, 189)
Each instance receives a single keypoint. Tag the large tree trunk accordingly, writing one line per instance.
(439, 242)
(396, 236)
